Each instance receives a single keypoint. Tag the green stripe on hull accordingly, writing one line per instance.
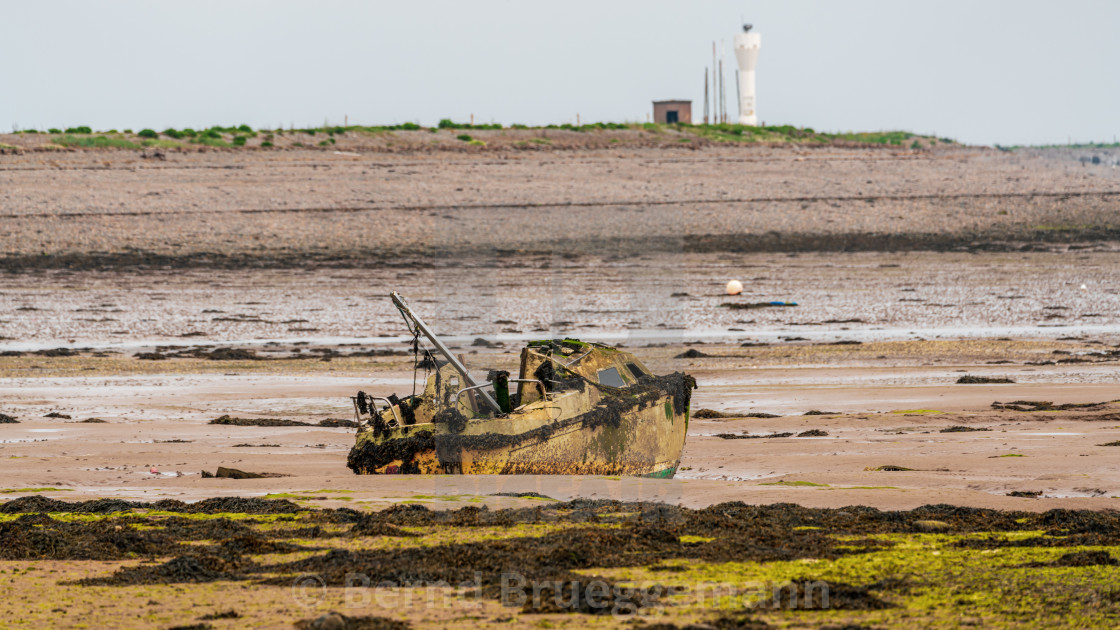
(668, 473)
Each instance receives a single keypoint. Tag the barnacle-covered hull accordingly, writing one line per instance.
(582, 433)
(578, 409)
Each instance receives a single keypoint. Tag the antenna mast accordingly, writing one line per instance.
(415, 320)
(722, 82)
(715, 86)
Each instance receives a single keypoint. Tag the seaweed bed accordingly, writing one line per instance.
(283, 422)
(338, 621)
(969, 379)
(1046, 405)
(854, 561)
(40, 504)
(866, 561)
(748, 436)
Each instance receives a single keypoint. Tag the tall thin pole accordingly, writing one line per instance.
(727, 91)
(705, 96)
(722, 84)
(738, 98)
(715, 86)
(722, 116)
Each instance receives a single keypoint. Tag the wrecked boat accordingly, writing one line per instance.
(574, 408)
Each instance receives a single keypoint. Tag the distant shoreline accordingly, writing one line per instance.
(457, 137)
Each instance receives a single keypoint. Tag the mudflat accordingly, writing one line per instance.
(954, 341)
(296, 208)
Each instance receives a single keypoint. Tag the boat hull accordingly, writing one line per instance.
(646, 440)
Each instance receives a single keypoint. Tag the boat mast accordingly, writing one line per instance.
(407, 313)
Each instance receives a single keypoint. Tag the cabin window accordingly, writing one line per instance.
(635, 370)
(611, 378)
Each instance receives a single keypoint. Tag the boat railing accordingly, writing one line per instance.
(491, 383)
(374, 410)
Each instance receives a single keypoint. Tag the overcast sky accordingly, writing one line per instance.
(981, 71)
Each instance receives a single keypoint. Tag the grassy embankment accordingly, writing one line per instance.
(327, 136)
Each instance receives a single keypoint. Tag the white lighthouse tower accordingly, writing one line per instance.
(746, 51)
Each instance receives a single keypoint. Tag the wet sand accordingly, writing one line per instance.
(873, 417)
(148, 260)
(657, 298)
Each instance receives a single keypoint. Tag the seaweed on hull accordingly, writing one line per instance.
(369, 456)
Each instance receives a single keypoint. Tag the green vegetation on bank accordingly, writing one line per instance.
(806, 135)
(94, 142)
(240, 135)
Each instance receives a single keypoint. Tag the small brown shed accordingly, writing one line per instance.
(672, 112)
